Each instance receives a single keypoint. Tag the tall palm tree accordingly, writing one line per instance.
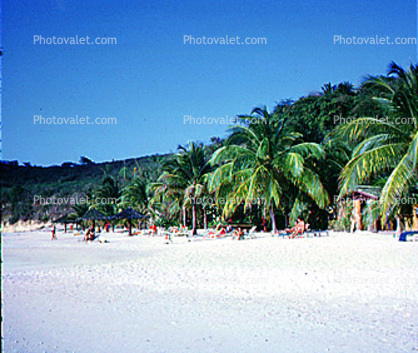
(166, 201)
(184, 178)
(388, 147)
(260, 160)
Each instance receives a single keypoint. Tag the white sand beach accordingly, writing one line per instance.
(343, 293)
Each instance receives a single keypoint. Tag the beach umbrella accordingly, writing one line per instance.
(129, 214)
(93, 215)
(64, 220)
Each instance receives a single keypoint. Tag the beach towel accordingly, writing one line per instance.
(404, 235)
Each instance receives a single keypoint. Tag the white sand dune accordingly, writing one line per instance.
(345, 293)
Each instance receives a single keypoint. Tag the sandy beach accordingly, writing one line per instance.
(343, 293)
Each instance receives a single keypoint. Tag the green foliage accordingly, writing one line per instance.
(182, 182)
(343, 223)
(20, 184)
(386, 147)
(135, 195)
(263, 161)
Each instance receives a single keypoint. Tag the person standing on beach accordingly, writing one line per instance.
(264, 225)
(168, 238)
(152, 229)
(53, 233)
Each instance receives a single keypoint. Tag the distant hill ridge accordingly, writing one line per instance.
(20, 183)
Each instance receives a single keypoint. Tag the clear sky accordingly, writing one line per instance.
(150, 79)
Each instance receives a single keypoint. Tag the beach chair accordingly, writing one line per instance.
(186, 233)
(317, 233)
(205, 233)
(251, 233)
(280, 234)
(183, 233)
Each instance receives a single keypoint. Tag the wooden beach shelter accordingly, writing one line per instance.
(93, 215)
(359, 199)
(64, 220)
(129, 214)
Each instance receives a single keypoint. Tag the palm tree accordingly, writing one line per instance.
(135, 195)
(79, 210)
(184, 179)
(107, 196)
(388, 147)
(262, 159)
(166, 202)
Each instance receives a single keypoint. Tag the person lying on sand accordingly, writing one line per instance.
(298, 229)
(239, 234)
(217, 233)
(291, 230)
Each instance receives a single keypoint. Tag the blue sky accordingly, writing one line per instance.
(150, 80)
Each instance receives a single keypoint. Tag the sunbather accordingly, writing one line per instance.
(300, 228)
(89, 234)
(289, 231)
(217, 233)
(238, 234)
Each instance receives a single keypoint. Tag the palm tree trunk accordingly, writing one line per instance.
(205, 219)
(194, 218)
(184, 216)
(273, 220)
(398, 225)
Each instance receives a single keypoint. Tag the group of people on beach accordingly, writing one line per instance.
(219, 231)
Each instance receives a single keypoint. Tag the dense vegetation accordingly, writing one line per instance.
(296, 160)
(21, 185)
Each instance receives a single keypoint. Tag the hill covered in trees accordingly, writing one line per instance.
(21, 185)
